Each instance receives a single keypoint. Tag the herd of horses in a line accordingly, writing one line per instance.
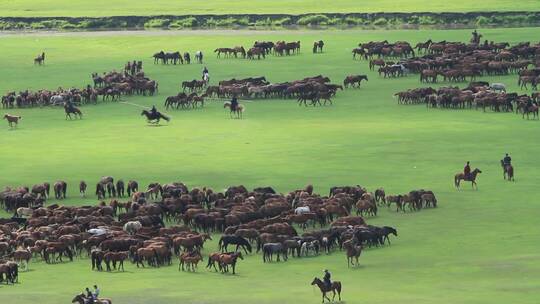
(476, 95)
(134, 230)
(176, 57)
(453, 61)
(264, 48)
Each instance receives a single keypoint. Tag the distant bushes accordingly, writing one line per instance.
(377, 20)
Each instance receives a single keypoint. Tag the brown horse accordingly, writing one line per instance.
(508, 171)
(336, 286)
(190, 260)
(40, 59)
(238, 111)
(12, 119)
(353, 251)
(352, 80)
(471, 178)
(115, 257)
(226, 259)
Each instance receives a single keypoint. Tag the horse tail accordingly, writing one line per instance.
(456, 180)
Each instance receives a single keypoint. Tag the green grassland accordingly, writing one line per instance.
(98, 8)
(477, 247)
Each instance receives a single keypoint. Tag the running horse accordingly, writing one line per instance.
(12, 119)
(336, 286)
(154, 118)
(82, 299)
(471, 178)
(70, 109)
(508, 171)
(238, 111)
(40, 59)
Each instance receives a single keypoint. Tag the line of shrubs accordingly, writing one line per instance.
(378, 20)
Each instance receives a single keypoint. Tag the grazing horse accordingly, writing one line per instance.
(336, 286)
(12, 119)
(238, 111)
(40, 59)
(239, 241)
(508, 171)
(269, 249)
(353, 251)
(318, 46)
(70, 109)
(82, 299)
(154, 118)
(471, 178)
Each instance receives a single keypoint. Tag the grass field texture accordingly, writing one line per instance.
(477, 247)
(98, 8)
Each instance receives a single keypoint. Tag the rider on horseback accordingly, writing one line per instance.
(326, 279)
(507, 160)
(467, 171)
(153, 111)
(234, 103)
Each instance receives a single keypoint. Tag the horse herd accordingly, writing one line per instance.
(453, 61)
(176, 57)
(134, 230)
(476, 94)
(264, 48)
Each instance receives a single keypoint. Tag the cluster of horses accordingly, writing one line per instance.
(40, 98)
(176, 57)
(314, 89)
(134, 230)
(476, 94)
(263, 48)
(529, 76)
(114, 84)
(134, 67)
(185, 101)
(453, 61)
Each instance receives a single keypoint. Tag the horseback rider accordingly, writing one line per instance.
(234, 103)
(467, 170)
(507, 160)
(96, 292)
(89, 295)
(153, 111)
(326, 279)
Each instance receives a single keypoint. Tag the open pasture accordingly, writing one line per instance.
(476, 247)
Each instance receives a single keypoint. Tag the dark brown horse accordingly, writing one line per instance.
(508, 171)
(353, 80)
(336, 286)
(69, 109)
(40, 59)
(471, 178)
(12, 119)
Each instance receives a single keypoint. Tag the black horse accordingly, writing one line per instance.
(70, 109)
(230, 239)
(269, 249)
(154, 118)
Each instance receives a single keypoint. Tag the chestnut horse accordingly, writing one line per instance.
(471, 178)
(336, 286)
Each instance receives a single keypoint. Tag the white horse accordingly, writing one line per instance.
(97, 231)
(302, 210)
(199, 56)
(132, 227)
(498, 87)
(22, 211)
(57, 100)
